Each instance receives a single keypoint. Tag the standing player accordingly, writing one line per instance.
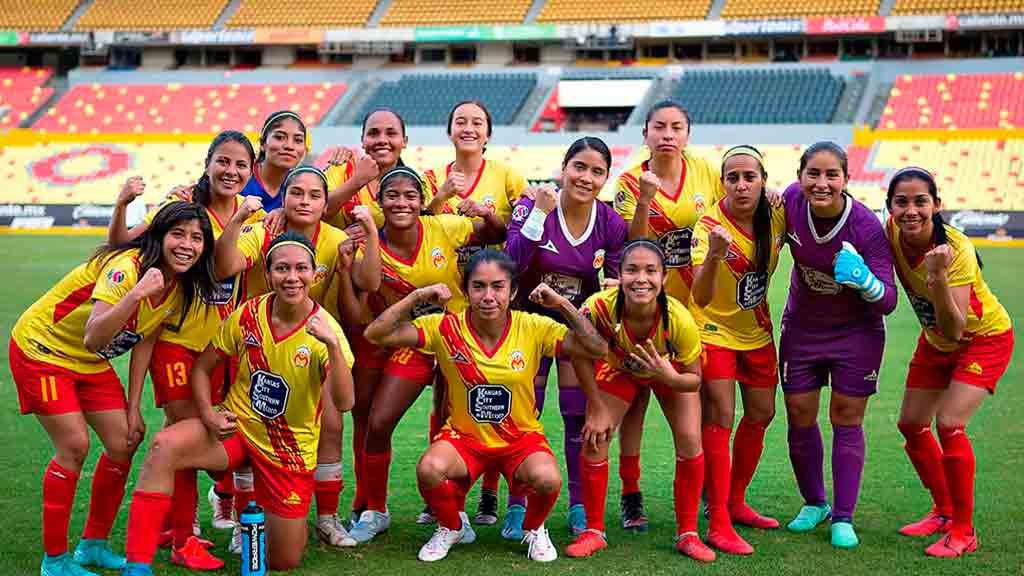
(735, 250)
(489, 355)
(416, 251)
(653, 343)
(662, 198)
(284, 142)
(292, 355)
(965, 346)
(564, 241)
(60, 352)
(832, 332)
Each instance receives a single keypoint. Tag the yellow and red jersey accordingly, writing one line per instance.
(490, 392)
(497, 186)
(673, 214)
(52, 330)
(681, 342)
(985, 315)
(276, 393)
(434, 261)
(737, 317)
(338, 175)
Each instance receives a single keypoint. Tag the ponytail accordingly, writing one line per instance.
(201, 191)
(762, 235)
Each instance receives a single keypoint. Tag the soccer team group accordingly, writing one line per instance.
(270, 297)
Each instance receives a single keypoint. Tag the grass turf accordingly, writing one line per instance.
(891, 494)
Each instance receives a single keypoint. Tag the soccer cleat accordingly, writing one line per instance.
(512, 529)
(235, 547)
(809, 517)
(353, 517)
(370, 524)
(587, 544)
(96, 552)
(729, 541)
(440, 543)
(744, 515)
(332, 532)
(426, 516)
(953, 545)
(486, 509)
(62, 565)
(689, 544)
(194, 556)
(843, 535)
(222, 509)
(539, 546)
(136, 569)
(577, 519)
(932, 523)
(468, 534)
(633, 515)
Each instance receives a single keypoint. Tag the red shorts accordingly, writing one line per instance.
(405, 363)
(758, 368)
(506, 459)
(980, 362)
(170, 367)
(47, 389)
(284, 493)
(623, 384)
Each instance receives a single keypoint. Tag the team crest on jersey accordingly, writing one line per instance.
(698, 203)
(246, 228)
(489, 204)
(620, 200)
(268, 394)
(598, 259)
(519, 213)
(301, 357)
(437, 258)
(115, 276)
(516, 361)
(320, 274)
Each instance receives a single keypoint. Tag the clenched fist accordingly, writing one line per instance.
(132, 189)
(719, 240)
(649, 184)
(151, 284)
(319, 328)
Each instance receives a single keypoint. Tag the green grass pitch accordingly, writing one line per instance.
(890, 496)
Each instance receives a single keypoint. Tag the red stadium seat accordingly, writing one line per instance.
(955, 101)
(22, 92)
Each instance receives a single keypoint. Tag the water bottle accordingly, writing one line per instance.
(254, 558)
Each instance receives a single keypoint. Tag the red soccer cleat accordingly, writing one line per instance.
(689, 544)
(744, 515)
(194, 556)
(953, 545)
(586, 544)
(932, 523)
(729, 541)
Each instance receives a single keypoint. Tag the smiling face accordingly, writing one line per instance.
(290, 273)
(383, 138)
(305, 199)
(642, 277)
(285, 144)
(912, 208)
(401, 202)
(229, 169)
(489, 291)
(584, 175)
(822, 181)
(743, 179)
(667, 132)
(182, 246)
(468, 129)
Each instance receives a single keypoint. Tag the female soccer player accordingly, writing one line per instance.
(564, 241)
(60, 352)
(653, 343)
(416, 251)
(735, 250)
(832, 332)
(662, 198)
(965, 346)
(292, 356)
(489, 356)
(284, 142)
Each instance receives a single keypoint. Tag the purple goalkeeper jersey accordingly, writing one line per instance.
(816, 300)
(570, 267)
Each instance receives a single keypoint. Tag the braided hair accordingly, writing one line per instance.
(662, 298)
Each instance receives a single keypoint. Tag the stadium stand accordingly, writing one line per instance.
(35, 14)
(297, 13)
(163, 15)
(444, 12)
(953, 101)
(22, 92)
(623, 10)
(804, 96)
(797, 8)
(425, 99)
(954, 6)
(183, 107)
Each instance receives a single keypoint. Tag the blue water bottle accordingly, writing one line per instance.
(254, 559)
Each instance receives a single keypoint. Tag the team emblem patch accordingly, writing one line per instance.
(437, 258)
(301, 357)
(490, 403)
(489, 204)
(321, 273)
(519, 213)
(268, 394)
(620, 200)
(516, 361)
(698, 203)
(115, 276)
(598, 259)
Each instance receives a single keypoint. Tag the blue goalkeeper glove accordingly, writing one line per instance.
(850, 270)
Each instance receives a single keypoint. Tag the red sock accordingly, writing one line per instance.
(538, 506)
(328, 494)
(629, 473)
(145, 514)
(490, 481)
(958, 462)
(359, 463)
(595, 492)
(377, 467)
(746, 454)
(715, 440)
(108, 482)
(183, 505)
(926, 456)
(59, 486)
(686, 492)
(225, 485)
(442, 502)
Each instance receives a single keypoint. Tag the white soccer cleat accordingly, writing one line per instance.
(468, 534)
(332, 532)
(236, 541)
(370, 524)
(222, 510)
(441, 542)
(540, 548)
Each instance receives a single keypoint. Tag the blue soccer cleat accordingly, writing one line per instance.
(809, 517)
(62, 565)
(97, 552)
(512, 529)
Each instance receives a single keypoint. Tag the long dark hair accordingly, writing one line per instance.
(392, 111)
(486, 255)
(588, 143)
(272, 122)
(762, 212)
(201, 192)
(662, 298)
(199, 280)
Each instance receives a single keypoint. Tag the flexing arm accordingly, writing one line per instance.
(363, 172)
(106, 319)
(118, 231)
(392, 329)
(582, 340)
(366, 270)
(704, 275)
(950, 302)
(228, 259)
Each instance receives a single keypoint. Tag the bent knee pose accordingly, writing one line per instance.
(489, 356)
(965, 345)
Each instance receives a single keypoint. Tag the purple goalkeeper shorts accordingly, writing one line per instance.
(847, 359)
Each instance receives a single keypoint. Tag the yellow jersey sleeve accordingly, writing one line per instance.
(346, 350)
(549, 333)
(515, 184)
(699, 242)
(117, 277)
(226, 340)
(457, 229)
(625, 196)
(250, 243)
(964, 267)
(427, 329)
(683, 333)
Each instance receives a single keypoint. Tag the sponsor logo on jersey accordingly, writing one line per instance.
(437, 258)
(710, 328)
(599, 259)
(246, 228)
(550, 247)
(115, 276)
(974, 368)
(250, 340)
(301, 357)
(320, 274)
(872, 377)
(516, 361)
(620, 200)
(794, 239)
(268, 394)
(459, 358)
(292, 499)
(519, 213)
